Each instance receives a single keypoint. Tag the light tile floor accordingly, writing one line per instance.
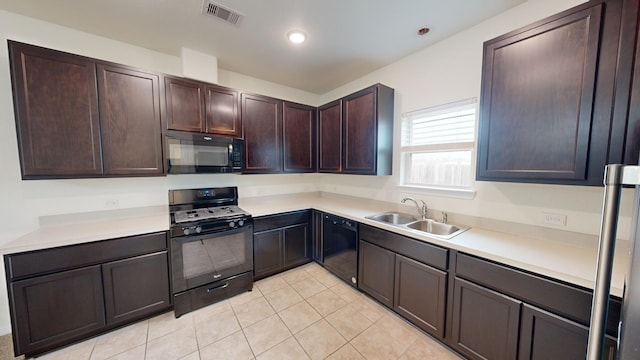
(304, 313)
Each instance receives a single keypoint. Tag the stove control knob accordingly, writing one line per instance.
(232, 224)
(186, 231)
(240, 222)
(198, 229)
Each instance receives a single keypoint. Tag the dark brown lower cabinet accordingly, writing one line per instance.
(267, 253)
(420, 294)
(407, 275)
(485, 323)
(130, 290)
(544, 336)
(61, 295)
(54, 309)
(296, 245)
(376, 266)
(281, 242)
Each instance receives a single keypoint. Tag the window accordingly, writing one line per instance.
(437, 146)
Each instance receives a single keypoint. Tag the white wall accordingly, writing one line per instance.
(449, 71)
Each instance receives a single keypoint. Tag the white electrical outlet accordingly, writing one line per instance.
(554, 219)
(111, 203)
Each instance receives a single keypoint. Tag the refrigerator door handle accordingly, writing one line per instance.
(615, 176)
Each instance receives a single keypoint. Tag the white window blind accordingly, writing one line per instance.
(437, 145)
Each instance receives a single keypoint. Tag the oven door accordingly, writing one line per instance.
(202, 259)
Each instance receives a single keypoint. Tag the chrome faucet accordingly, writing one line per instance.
(422, 209)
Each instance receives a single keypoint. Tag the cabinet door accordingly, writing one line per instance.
(184, 104)
(376, 268)
(299, 138)
(420, 293)
(136, 287)
(262, 122)
(330, 137)
(359, 133)
(56, 309)
(547, 336)
(485, 323)
(267, 253)
(625, 135)
(56, 110)
(538, 87)
(222, 117)
(129, 121)
(317, 237)
(297, 245)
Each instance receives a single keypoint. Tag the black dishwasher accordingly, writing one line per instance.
(340, 247)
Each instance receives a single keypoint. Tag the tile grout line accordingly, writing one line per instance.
(241, 328)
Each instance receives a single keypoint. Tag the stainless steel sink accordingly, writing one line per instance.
(393, 218)
(433, 227)
(436, 228)
(427, 226)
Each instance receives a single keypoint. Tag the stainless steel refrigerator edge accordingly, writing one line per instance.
(629, 334)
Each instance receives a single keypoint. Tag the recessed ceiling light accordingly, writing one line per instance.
(296, 36)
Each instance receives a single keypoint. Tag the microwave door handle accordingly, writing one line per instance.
(230, 155)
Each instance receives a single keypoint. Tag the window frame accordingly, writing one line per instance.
(465, 192)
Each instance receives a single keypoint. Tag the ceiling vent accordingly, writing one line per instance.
(221, 12)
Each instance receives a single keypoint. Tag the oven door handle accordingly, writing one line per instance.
(217, 287)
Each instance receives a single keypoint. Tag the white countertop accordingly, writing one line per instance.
(569, 262)
(564, 261)
(61, 230)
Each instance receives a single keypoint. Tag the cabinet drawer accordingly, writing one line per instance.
(415, 249)
(263, 223)
(208, 294)
(39, 262)
(568, 301)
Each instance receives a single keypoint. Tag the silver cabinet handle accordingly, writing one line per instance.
(217, 288)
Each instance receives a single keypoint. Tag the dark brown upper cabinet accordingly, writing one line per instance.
(185, 104)
(221, 105)
(547, 95)
(299, 138)
(366, 133)
(56, 111)
(262, 119)
(625, 140)
(330, 137)
(196, 106)
(129, 121)
(279, 135)
(79, 117)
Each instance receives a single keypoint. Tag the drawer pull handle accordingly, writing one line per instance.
(217, 288)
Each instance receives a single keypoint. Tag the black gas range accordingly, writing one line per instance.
(211, 247)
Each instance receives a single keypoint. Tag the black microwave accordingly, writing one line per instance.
(200, 154)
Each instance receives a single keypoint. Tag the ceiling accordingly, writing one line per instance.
(346, 38)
